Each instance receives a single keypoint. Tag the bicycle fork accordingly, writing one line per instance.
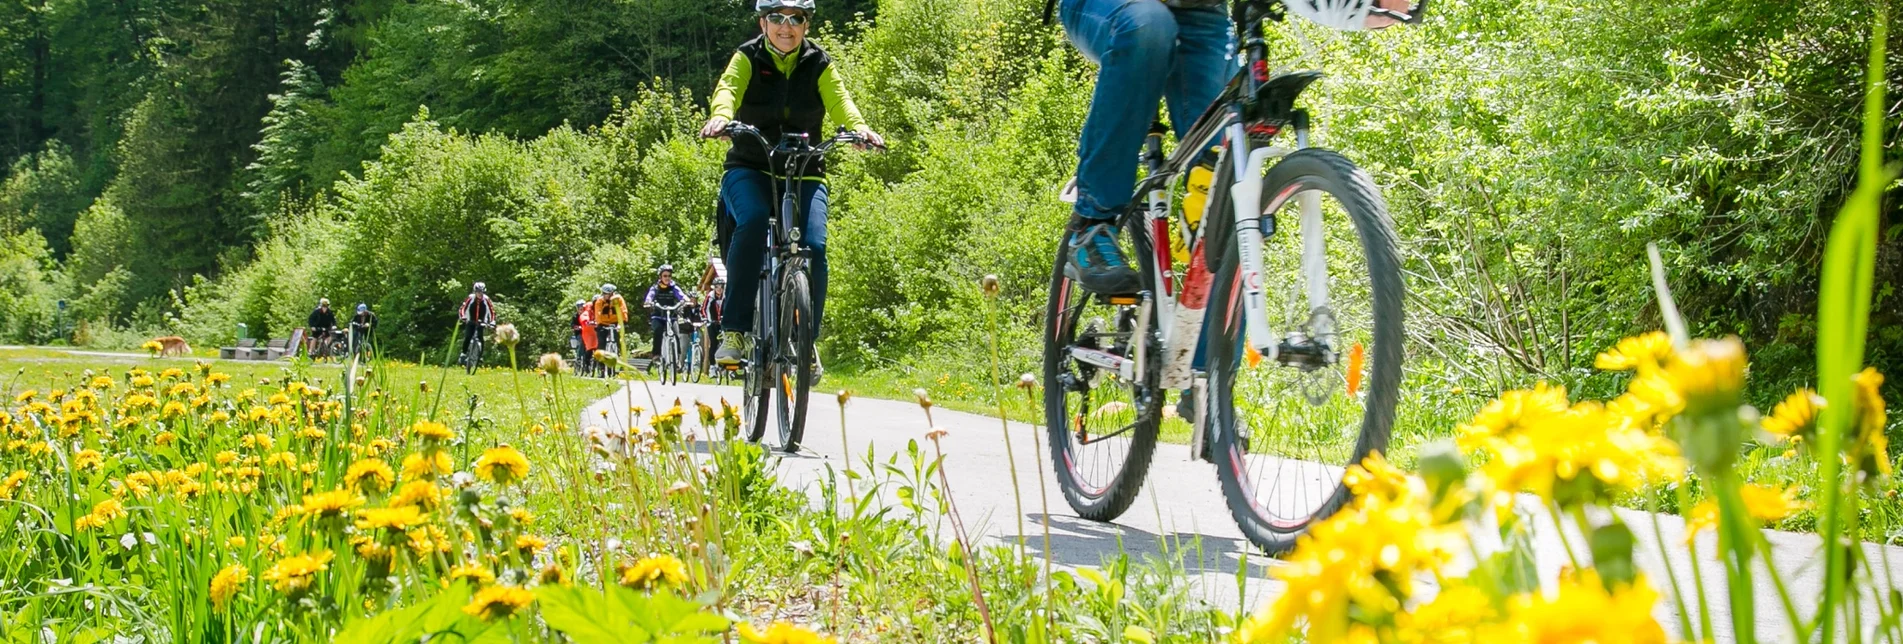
(1246, 198)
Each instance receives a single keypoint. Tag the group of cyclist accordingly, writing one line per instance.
(321, 329)
(598, 324)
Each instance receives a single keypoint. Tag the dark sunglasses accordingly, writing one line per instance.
(795, 19)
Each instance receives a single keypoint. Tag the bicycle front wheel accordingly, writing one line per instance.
(1288, 424)
(794, 385)
(756, 388)
(1103, 422)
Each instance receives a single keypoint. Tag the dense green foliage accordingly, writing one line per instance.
(200, 165)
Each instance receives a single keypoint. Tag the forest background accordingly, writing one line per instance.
(184, 167)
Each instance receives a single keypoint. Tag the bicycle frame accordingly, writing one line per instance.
(1255, 106)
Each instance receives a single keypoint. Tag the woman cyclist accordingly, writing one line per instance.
(779, 82)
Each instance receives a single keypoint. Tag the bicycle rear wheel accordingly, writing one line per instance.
(795, 382)
(1103, 423)
(1287, 425)
(670, 363)
(473, 355)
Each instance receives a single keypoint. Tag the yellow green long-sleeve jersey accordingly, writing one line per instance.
(832, 89)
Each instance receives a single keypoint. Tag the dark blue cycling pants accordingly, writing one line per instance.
(749, 196)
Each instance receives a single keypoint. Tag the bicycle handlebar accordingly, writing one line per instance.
(735, 128)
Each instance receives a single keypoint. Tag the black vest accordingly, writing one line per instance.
(777, 104)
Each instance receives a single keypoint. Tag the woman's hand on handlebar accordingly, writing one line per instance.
(869, 139)
(715, 128)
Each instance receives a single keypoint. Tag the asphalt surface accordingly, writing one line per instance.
(1180, 517)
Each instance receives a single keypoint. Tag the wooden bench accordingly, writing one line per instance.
(240, 352)
(274, 350)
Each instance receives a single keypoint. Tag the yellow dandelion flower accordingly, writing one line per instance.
(1796, 415)
(426, 467)
(1636, 351)
(12, 484)
(142, 381)
(474, 573)
(783, 633)
(422, 494)
(370, 476)
(530, 544)
(225, 457)
(1584, 611)
(397, 519)
(521, 516)
(654, 571)
(1872, 448)
(332, 504)
(498, 602)
(101, 382)
(88, 459)
(216, 378)
(503, 465)
(294, 575)
(1710, 375)
(431, 431)
(226, 585)
(26, 396)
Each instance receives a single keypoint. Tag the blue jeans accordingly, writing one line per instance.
(1147, 52)
(750, 197)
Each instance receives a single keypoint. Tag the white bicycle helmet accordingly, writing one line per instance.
(481, 287)
(764, 6)
(607, 289)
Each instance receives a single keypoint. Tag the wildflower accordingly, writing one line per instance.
(1710, 375)
(12, 484)
(142, 381)
(1765, 504)
(498, 602)
(1375, 476)
(152, 347)
(26, 396)
(1649, 349)
(432, 432)
(1459, 613)
(521, 516)
(88, 459)
(332, 504)
(507, 335)
(426, 467)
(503, 465)
(286, 460)
(226, 457)
(422, 494)
(529, 544)
(370, 476)
(397, 519)
(473, 573)
(1871, 451)
(990, 285)
(107, 510)
(553, 574)
(1796, 415)
(101, 382)
(215, 378)
(924, 399)
(782, 633)
(172, 410)
(294, 575)
(235, 541)
(1339, 575)
(1566, 453)
(1584, 610)
(313, 433)
(551, 364)
(227, 583)
(654, 571)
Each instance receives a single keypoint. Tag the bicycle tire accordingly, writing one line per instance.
(797, 332)
(755, 388)
(1357, 195)
(1107, 500)
(473, 355)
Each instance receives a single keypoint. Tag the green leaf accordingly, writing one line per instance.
(587, 616)
(1134, 633)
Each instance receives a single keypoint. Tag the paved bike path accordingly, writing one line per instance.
(1180, 513)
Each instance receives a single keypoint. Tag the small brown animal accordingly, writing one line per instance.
(173, 345)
